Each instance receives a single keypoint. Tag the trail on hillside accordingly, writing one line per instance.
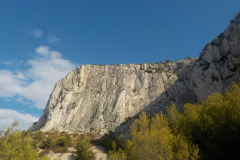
(63, 156)
(100, 153)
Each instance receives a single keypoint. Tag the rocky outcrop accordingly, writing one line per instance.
(101, 97)
(216, 67)
(98, 98)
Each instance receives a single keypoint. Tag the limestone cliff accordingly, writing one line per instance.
(216, 67)
(95, 98)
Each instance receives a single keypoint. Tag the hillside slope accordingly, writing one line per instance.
(98, 98)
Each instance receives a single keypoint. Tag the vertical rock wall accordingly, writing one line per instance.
(98, 98)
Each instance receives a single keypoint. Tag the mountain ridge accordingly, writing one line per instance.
(99, 98)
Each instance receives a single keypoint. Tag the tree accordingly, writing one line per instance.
(168, 61)
(65, 141)
(213, 125)
(48, 144)
(39, 135)
(15, 144)
(83, 151)
(152, 139)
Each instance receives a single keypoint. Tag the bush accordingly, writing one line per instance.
(83, 151)
(62, 142)
(26, 133)
(168, 61)
(39, 135)
(35, 144)
(214, 125)
(16, 144)
(152, 139)
(48, 144)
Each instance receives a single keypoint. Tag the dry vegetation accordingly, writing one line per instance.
(58, 142)
(209, 130)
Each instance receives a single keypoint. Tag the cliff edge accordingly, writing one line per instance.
(98, 98)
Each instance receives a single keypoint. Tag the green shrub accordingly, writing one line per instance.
(83, 151)
(209, 130)
(158, 69)
(16, 144)
(39, 135)
(26, 133)
(213, 125)
(168, 61)
(48, 143)
(152, 139)
(35, 144)
(62, 142)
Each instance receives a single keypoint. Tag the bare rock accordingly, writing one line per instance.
(99, 98)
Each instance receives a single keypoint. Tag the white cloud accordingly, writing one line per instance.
(36, 83)
(36, 33)
(10, 62)
(52, 39)
(7, 116)
(10, 84)
(42, 50)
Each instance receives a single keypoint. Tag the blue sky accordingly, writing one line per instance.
(43, 40)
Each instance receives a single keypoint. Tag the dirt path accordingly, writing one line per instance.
(99, 151)
(63, 156)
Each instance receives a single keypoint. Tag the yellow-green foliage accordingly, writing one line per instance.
(214, 125)
(83, 151)
(16, 145)
(152, 139)
(39, 135)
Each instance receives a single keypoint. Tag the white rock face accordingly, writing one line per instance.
(216, 67)
(98, 98)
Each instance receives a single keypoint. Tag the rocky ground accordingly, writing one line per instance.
(100, 154)
(70, 155)
(99, 151)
